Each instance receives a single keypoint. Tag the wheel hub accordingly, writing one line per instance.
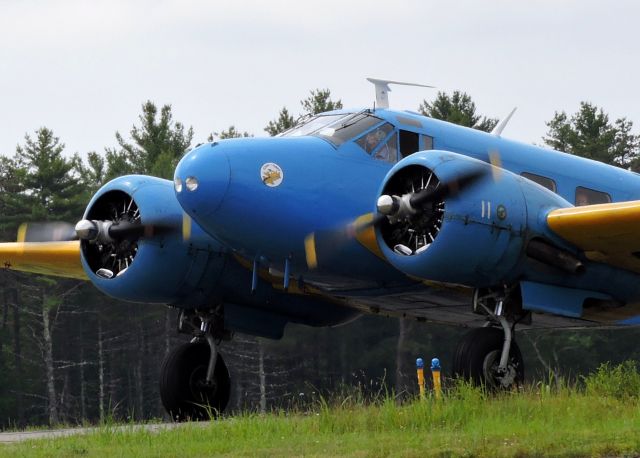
(502, 377)
(200, 388)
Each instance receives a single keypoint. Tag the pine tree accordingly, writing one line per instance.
(319, 101)
(50, 182)
(284, 122)
(457, 108)
(589, 133)
(155, 148)
(231, 132)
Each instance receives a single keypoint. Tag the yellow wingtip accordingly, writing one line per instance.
(310, 251)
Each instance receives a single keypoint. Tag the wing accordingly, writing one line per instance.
(60, 259)
(608, 233)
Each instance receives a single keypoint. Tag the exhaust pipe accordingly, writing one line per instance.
(553, 256)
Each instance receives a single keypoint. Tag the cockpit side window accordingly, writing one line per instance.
(381, 143)
(374, 138)
(389, 151)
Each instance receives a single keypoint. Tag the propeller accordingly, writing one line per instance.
(110, 238)
(94, 230)
(390, 208)
(54, 231)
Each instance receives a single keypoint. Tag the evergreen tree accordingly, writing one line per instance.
(319, 101)
(231, 132)
(92, 175)
(589, 133)
(156, 146)
(50, 182)
(284, 122)
(457, 108)
(43, 185)
(12, 207)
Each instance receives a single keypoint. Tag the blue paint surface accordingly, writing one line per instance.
(325, 184)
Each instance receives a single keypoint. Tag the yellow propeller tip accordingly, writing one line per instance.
(496, 162)
(186, 227)
(310, 251)
(22, 233)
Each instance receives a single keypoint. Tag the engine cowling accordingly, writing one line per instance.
(157, 264)
(476, 237)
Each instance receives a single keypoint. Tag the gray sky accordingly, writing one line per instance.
(83, 68)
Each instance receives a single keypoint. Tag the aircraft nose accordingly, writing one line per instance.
(201, 180)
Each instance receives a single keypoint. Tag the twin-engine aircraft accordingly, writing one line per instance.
(352, 212)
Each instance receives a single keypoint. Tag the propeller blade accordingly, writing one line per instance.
(54, 231)
(331, 241)
(388, 207)
(310, 251)
(186, 227)
(496, 162)
(445, 190)
(125, 229)
(107, 232)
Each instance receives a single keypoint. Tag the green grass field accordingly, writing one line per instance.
(600, 418)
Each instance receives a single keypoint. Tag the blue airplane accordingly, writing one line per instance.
(351, 212)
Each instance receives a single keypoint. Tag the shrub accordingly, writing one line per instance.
(620, 381)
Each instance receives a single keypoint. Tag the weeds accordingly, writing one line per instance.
(594, 416)
(621, 381)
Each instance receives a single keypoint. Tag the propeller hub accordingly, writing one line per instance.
(387, 205)
(86, 230)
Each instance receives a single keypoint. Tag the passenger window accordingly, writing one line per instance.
(427, 143)
(586, 196)
(542, 181)
(409, 143)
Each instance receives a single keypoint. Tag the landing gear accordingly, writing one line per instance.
(490, 356)
(194, 380)
(478, 359)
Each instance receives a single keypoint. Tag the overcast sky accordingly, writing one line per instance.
(83, 68)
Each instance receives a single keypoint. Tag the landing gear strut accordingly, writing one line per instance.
(490, 356)
(194, 380)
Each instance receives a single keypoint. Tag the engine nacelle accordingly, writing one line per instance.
(159, 265)
(476, 237)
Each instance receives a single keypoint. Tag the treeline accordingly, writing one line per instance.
(69, 354)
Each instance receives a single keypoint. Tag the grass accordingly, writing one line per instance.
(545, 420)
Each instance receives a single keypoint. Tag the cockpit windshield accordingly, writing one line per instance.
(338, 128)
(313, 124)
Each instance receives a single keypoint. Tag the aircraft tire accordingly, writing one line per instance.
(182, 390)
(478, 354)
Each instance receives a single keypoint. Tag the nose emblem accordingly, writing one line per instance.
(271, 174)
